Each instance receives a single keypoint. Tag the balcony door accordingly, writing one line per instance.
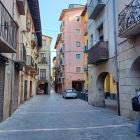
(43, 57)
(42, 74)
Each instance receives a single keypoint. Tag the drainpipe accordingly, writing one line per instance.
(13, 57)
(116, 57)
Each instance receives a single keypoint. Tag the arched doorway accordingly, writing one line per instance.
(106, 94)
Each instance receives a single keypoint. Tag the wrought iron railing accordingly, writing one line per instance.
(129, 16)
(28, 22)
(62, 74)
(32, 62)
(36, 67)
(62, 50)
(8, 27)
(85, 67)
(62, 62)
(43, 59)
(98, 51)
(42, 78)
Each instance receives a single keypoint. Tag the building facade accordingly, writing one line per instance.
(85, 47)
(44, 66)
(101, 57)
(128, 54)
(70, 46)
(14, 53)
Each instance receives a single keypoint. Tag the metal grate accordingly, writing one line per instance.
(8, 27)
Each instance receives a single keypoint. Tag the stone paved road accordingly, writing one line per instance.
(54, 118)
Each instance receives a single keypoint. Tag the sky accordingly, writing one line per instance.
(50, 11)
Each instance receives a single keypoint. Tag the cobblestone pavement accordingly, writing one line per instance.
(50, 117)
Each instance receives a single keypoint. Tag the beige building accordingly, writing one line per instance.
(44, 66)
(128, 55)
(18, 43)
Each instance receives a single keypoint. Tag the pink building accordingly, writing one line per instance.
(70, 45)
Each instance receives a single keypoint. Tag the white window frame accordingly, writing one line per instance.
(76, 67)
(76, 43)
(78, 29)
(80, 57)
(79, 19)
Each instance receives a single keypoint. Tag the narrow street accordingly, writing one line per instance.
(50, 117)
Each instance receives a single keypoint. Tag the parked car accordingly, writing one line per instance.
(70, 93)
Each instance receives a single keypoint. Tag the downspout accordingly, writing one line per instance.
(116, 57)
(13, 56)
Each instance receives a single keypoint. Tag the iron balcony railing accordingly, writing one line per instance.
(62, 74)
(62, 62)
(60, 56)
(29, 60)
(22, 52)
(62, 50)
(95, 7)
(36, 67)
(62, 25)
(8, 28)
(28, 23)
(62, 38)
(85, 67)
(85, 49)
(98, 53)
(43, 78)
(129, 16)
(43, 59)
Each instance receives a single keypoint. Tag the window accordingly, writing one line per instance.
(43, 42)
(78, 44)
(43, 57)
(78, 31)
(77, 18)
(43, 74)
(78, 69)
(78, 56)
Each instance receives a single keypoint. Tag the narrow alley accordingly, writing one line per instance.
(50, 117)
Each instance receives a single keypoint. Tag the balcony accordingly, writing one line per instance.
(60, 56)
(37, 52)
(59, 80)
(28, 24)
(98, 53)
(42, 60)
(34, 41)
(95, 7)
(62, 74)
(21, 6)
(85, 32)
(34, 71)
(62, 27)
(8, 31)
(62, 39)
(86, 67)
(29, 63)
(62, 50)
(62, 62)
(129, 20)
(85, 49)
(21, 56)
(58, 68)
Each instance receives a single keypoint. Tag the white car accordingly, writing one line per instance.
(70, 93)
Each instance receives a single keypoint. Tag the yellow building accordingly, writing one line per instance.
(85, 48)
(110, 87)
(32, 40)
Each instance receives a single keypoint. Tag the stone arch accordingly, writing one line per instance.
(100, 95)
